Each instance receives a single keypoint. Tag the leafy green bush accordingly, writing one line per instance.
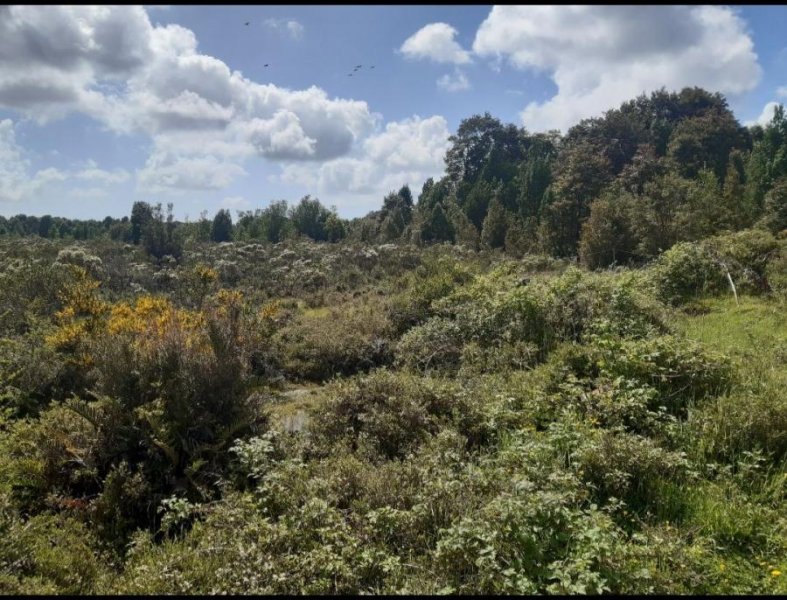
(326, 342)
(630, 467)
(776, 271)
(389, 415)
(48, 554)
(685, 271)
(499, 315)
(236, 550)
(745, 254)
(431, 281)
(434, 346)
(680, 371)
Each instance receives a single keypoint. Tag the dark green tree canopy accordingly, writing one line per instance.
(221, 229)
(141, 214)
(309, 217)
(478, 140)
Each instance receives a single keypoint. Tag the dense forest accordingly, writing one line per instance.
(560, 369)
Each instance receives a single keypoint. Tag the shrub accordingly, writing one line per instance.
(431, 281)
(322, 343)
(509, 356)
(77, 256)
(434, 346)
(680, 371)
(528, 542)
(685, 271)
(31, 288)
(387, 415)
(183, 375)
(49, 554)
(631, 468)
(235, 550)
(745, 254)
(31, 374)
(501, 311)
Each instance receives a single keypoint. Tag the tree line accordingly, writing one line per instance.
(621, 188)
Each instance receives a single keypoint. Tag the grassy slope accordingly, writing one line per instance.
(754, 334)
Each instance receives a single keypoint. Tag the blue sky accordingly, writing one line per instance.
(103, 106)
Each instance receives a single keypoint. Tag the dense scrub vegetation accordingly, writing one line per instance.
(295, 403)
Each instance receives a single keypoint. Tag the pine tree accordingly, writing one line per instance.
(493, 233)
(437, 227)
(141, 215)
(221, 230)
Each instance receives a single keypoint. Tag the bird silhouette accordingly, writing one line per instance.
(349, 74)
(372, 67)
(265, 65)
(246, 23)
(358, 66)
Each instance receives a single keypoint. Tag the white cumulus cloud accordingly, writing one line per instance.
(113, 64)
(165, 172)
(600, 56)
(435, 42)
(405, 152)
(766, 116)
(102, 176)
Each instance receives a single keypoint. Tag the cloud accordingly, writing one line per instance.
(600, 56)
(94, 174)
(766, 116)
(456, 83)
(50, 58)
(435, 42)
(781, 91)
(203, 119)
(405, 152)
(166, 172)
(292, 27)
(19, 183)
(112, 64)
(281, 137)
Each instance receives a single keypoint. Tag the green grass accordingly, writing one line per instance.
(295, 404)
(753, 333)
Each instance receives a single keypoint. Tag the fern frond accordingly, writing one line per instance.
(86, 410)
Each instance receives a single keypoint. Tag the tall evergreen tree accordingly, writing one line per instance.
(493, 233)
(141, 215)
(221, 229)
(437, 228)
